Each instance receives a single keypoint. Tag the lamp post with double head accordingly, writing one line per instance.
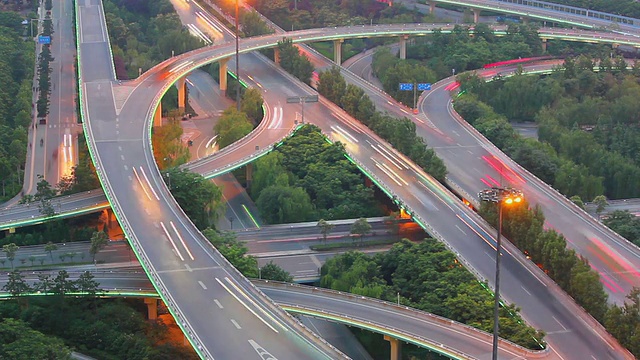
(500, 196)
(237, 58)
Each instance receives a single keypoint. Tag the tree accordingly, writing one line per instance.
(32, 259)
(62, 285)
(361, 227)
(19, 341)
(43, 195)
(10, 251)
(50, 248)
(234, 251)
(86, 284)
(325, 228)
(16, 285)
(232, 126)
(601, 203)
(200, 198)
(99, 240)
(284, 204)
(44, 284)
(252, 105)
(274, 272)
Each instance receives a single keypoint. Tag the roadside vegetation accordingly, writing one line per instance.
(428, 277)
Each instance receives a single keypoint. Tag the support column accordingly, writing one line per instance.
(525, 20)
(157, 118)
(396, 348)
(337, 51)
(476, 15)
(403, 46)
(249, 174)
(544, 45)
(182, 93)
(223, 74)
(152, 308)
(432, 7)
(276, 56)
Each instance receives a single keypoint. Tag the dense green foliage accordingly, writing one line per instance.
(198, 197)
(589, 138)
(294, 62)
(105, 329)
(44, 71)
(427, 277)
(18, 341)
(400, 133)
(306, 179)
(168, 148)
(83, 176)
(16, 73)
(625, 224)
(232, 126)
(623, 322)
(144, 33)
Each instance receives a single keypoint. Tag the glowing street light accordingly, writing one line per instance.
(508, 196)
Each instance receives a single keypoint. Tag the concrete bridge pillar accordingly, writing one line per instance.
(152, 308)
(432, 7)
(544, 45)
(525, 20)
(223, 73)
(276, 56)
(403, 46)
(476, 15)
(249, 174)
(181, 84)
(396, 348)
(614, 46)
(157, 118)
(337, 51)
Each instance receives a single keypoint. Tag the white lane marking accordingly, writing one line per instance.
(235, 323)
(253, 302)
(204, 287)
(149, 182)
(525, 290)
(264, 354)
(141, 184)
(218, 303)
(181, 240)
(462, 231)
(188, 267)
(171, 240)
(245, 305)
(211, 140)
(558, 321)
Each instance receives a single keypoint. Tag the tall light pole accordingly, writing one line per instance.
(237, 60)
(500, 196)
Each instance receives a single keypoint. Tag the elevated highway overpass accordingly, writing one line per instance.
(399, 323)
(546, 11)
(144, 86)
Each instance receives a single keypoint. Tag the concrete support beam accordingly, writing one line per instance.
(249, 174)
(544, 45)
(396, 348)
(525, 20)
(181, 84)
(152, 308)
(403, 46)
(432, 7)
(614, 46)
(476, 15)
(223, 73)
(157, 118)
(337, 51)
(276, 56)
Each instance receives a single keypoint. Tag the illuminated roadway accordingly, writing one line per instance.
(222, 314)
(540, 14)
(423, 329)
(413, 194)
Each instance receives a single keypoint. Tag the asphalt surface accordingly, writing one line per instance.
(190, 274)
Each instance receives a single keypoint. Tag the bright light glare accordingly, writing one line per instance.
(508, 201)
(518, 199)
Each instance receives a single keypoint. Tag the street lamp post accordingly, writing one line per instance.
(237, 61)
(499, 196)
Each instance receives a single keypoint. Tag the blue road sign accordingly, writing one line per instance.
(406, 86)
(424, 86)
(42, 39)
